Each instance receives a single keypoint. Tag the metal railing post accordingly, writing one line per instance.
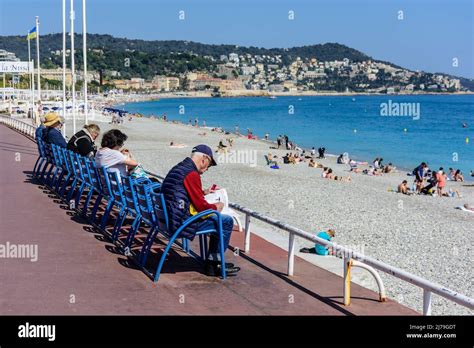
(347, 280)
(247, 234)
(426, 302)
(291, 254)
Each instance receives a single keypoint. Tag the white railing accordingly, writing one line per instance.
(21, 126)
(351, 258)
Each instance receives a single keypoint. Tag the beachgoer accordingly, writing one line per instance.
(321, 152)
(441, 179)
(466, 206)
(432, 181)
(451, 173)
(313, 151)
(182, 190)
(419, 173)
(278, 141)
(376, 163)
(389, 168)
(83, 141)
(112, 157)
(221, 147)
(52, 134)
(458, 176)
(403, 188)
(318, 248)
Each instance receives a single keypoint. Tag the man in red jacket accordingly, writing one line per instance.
(183, 192)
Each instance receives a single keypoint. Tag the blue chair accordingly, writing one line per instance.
(59, 170)
(131, 189)
(47, 169)
(159, 206)
(68, 170)
(91, 182)
(114, 184)
(42, 160)
(76, 173)
(96, 182)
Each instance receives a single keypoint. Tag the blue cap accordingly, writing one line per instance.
(205, 150)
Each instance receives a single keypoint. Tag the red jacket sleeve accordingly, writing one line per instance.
(192, 184)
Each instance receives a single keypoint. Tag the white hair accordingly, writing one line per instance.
(197, 154)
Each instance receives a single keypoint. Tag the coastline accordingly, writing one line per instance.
(263, 94)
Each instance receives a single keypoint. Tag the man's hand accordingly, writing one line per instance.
(210, 190)
(219, 206)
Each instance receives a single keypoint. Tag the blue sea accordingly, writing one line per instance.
(345, 124)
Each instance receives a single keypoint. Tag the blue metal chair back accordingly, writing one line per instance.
(48, 152)
(93, 173)
(115, 187)
(41, 149)
(85, 170)
(128, 186)
(159, 207)
(144, 203)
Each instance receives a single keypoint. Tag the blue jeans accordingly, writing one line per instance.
(227, 227)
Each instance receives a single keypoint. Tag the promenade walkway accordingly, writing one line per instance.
(78, 272)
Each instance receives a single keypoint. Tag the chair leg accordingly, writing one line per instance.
(95, 208)
(37, 163)
(60, 179)
(118, 223)
(222, 251)
(147, 245)
(105, 218)
(73, 189)
(163, 258)
(133, 231)
(87, 201)
(79, 194)
(62, 190)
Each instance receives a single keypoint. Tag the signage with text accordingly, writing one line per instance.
(16, 67)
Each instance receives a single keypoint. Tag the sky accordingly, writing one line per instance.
(428, 35)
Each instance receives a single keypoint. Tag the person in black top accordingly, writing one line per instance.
(321, 152)
(83, 141)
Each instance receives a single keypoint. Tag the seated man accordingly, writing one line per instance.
(183, 193)
(403, 188)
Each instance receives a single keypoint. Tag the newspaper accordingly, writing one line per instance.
(221, 196)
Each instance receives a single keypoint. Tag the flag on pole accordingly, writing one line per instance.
(31, 34)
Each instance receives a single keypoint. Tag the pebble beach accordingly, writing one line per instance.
(421, 234)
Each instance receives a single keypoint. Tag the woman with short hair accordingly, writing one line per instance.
(112, 157)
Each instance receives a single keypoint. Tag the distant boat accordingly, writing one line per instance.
(273, 97)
